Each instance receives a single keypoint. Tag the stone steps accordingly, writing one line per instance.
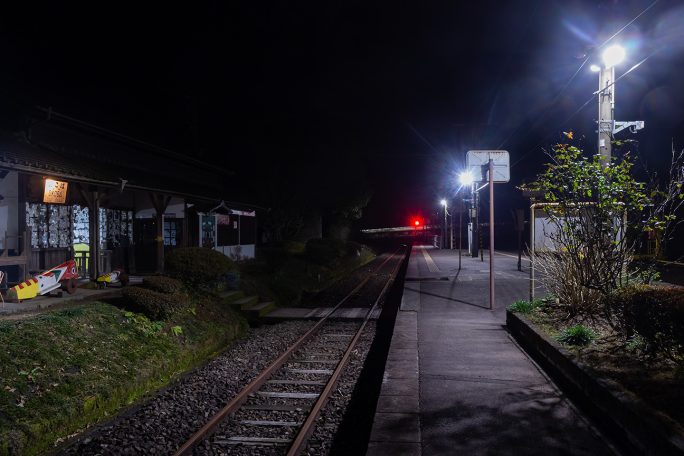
(259, 309)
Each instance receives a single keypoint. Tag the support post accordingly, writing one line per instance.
(160, 203)
(24, 245)
(94, 225)
(532, 223)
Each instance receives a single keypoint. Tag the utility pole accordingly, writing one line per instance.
(607, 126)
(606, 101)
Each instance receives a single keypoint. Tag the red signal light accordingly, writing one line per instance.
(417, 223)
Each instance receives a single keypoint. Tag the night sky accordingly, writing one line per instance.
(397, 90)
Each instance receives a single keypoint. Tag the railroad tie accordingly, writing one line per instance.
(256, 441)
(288, 395)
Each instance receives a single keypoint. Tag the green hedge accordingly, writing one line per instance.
(198, 266)
(163, 284)
(656, 313)
(155, 305)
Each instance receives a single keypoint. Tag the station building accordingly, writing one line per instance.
(69, 189)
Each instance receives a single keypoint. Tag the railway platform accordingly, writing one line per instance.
(456, 383)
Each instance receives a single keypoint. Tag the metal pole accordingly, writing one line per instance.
(532, 222)
(491, 234)
(606, 101)
(460, 232)
(444, 241)
(473, 221)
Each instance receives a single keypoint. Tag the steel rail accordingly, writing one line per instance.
(309, 425)
(255, 384)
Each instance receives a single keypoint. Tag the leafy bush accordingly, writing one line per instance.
(163, 284)
(325, 251)
(655, 313)
(524, 307)
(521, 306)
(157, 306)
(578, 335)
(198, 265)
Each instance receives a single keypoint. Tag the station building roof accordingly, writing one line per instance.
(60, 147)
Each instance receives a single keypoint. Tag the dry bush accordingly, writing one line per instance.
(565, 280)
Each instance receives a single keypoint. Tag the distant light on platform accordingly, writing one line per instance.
(613, 55)
(595, 68)
(466, 178)
(443, 202)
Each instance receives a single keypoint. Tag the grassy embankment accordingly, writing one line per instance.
(65, 370)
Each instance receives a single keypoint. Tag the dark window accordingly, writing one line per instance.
(247, 230)
(227, 230)
(173, 231)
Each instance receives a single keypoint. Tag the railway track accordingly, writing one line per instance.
(277, 411)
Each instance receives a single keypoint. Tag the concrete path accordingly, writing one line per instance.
(456, 384)
(41, 303)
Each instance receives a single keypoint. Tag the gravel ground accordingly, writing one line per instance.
(162, 424)
(322, 439)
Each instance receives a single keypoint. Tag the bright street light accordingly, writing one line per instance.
(466, 178)
(613, 55)
(443, 202)
(595, 68)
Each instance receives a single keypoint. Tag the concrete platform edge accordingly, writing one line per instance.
(396, 427)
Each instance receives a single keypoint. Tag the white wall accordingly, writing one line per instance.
(9, 209)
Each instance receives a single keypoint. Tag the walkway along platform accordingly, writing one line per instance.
(455, 382)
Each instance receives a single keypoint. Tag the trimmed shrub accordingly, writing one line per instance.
(578, 335)
(198, 265)
(163, 284)
(656, 313)
(155, 305)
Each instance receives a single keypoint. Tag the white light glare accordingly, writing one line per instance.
(466, 178)
(443, 203)
(613, 55)
(595, 68)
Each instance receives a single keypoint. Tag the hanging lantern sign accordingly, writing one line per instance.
(55, 191)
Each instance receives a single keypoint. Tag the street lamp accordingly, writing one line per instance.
(466, 178)
(613, 55)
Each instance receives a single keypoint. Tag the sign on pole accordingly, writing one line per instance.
(477, 162)
(491, 166)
